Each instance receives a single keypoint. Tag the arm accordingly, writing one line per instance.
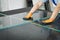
(55, 12)
(34, 8)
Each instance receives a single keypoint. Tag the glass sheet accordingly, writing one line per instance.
(15, 20)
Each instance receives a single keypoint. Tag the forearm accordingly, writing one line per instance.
(55, 12)
(35, 7)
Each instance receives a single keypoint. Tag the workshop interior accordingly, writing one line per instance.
(14, 27)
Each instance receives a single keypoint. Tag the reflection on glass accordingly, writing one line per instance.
(17, 20)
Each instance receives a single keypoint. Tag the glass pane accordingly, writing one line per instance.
(15, 20)
(55, 26)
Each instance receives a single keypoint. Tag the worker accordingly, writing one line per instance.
(38, 5)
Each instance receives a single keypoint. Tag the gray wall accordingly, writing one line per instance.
(6, 5)
(0, 5)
